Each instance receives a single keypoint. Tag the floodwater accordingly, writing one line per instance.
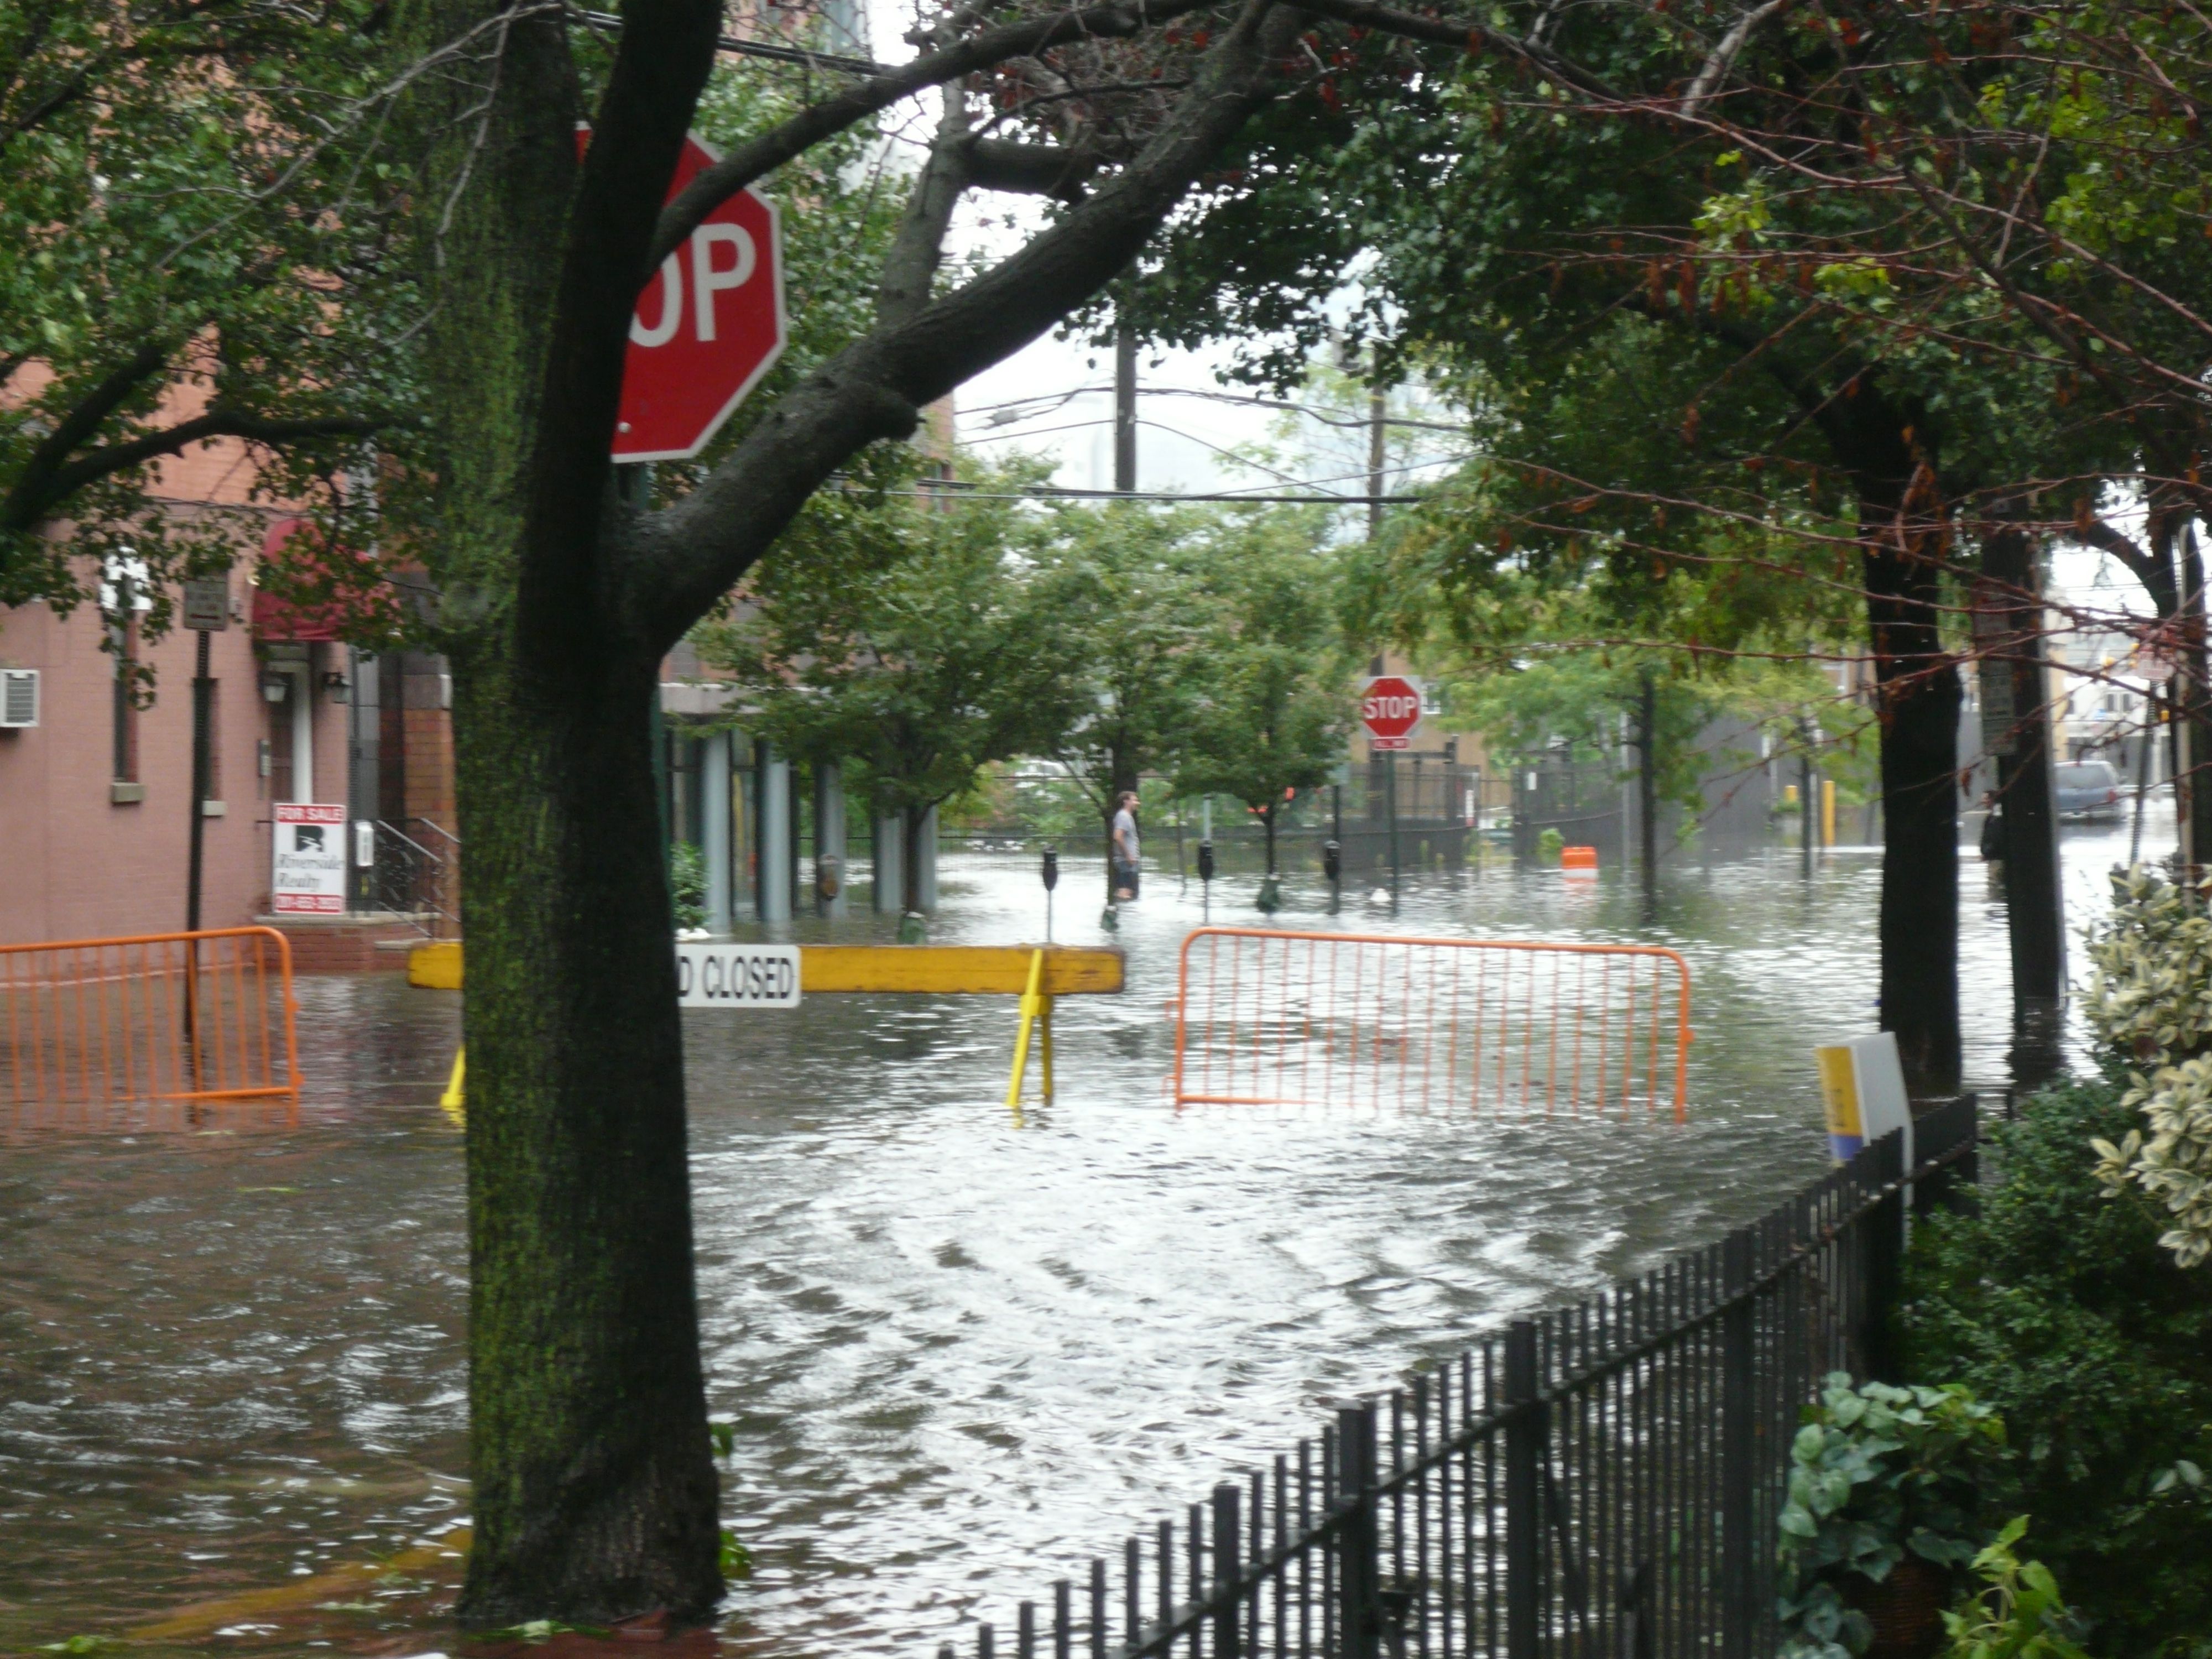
(962, 1352)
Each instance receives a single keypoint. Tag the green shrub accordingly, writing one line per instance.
(1877, 1474)
(686, 884)
(2018, 1613)
(2059, 1308)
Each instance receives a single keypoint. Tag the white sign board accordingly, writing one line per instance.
(207, 605)
(736, 976)
(308, 874)
(1862, 1087)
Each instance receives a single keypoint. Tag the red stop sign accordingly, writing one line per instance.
(1390, 708)
(707, 326)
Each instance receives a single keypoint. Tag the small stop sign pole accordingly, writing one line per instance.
(1391, 709)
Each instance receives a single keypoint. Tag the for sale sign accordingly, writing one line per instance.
(308, 877)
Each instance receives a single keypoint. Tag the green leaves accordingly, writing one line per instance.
(2019, 1615)
(737, 1561)
(1876, 1471)
(2068, 1315)
(2150, 999)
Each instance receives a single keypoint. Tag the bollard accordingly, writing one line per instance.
(1358, 1541)
(1051, 880)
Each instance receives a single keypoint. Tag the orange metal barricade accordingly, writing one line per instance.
(1270, 1017)
(154, 1017)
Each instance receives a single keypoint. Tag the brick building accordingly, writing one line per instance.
(95, 793)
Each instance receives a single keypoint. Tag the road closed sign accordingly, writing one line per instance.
(736, 976)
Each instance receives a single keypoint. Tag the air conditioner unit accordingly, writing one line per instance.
(19, 697)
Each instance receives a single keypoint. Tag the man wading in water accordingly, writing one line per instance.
(1123, 852)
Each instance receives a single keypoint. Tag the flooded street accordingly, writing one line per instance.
(962, 1352)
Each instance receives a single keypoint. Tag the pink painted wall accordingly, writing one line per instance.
(75, 865)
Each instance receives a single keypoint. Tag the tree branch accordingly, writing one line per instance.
(1468, 36)
(715, 185)
(2156, 573)
(910, 267)
(36, 489)
(24, 513)
(1055, 170)
(667, 53)
(686, 558)
(1724, 54)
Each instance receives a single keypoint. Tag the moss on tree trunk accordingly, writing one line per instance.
(595, 1489)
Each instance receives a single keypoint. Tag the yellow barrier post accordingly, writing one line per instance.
(1828, 812)
(454, 1100)
(1036, 1012)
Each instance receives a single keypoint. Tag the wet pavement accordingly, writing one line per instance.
(962, 1352)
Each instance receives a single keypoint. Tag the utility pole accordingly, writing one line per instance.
(1378, 407)
(1125, 407)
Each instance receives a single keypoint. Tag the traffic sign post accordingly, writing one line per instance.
(206, 610)
(709, 323)
(1391, 709)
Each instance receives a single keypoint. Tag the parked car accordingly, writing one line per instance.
(2086, 789)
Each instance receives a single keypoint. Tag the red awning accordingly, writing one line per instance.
(281, 619)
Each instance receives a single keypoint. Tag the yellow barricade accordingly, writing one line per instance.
(1035, 973)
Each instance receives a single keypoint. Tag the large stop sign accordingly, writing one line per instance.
(707, 326)
(1390, 708)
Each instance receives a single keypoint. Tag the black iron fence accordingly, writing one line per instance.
(1602, 1481)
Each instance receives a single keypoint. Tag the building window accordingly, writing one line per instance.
(123, 600)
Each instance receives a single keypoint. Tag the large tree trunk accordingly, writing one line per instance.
(594, 1483)
(2035, 915)
(1919, 699)
(595, 1492)
(911, 821)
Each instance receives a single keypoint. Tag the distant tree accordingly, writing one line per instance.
(1128, 589)
(1274, 700)
(936, 652)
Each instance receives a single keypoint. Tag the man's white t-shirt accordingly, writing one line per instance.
(1125, 836)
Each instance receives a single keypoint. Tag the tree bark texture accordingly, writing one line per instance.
(2035, 915)
(595, 1490)
(1919, 700)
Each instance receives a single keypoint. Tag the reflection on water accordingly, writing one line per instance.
(961, 1354)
